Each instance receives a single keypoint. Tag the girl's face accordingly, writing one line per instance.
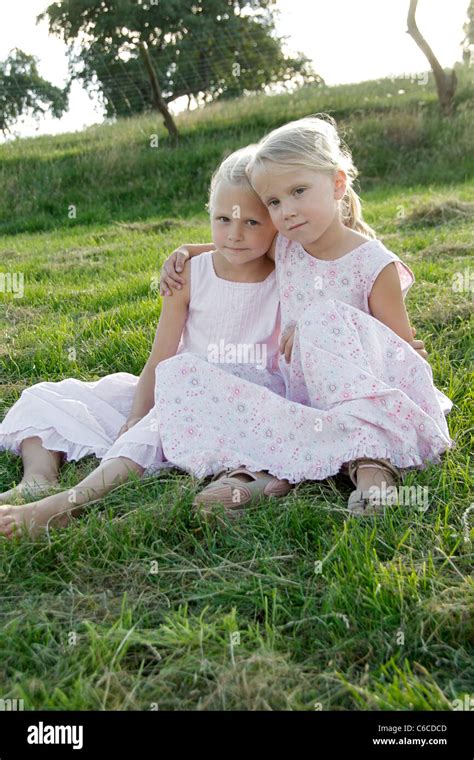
(242, 229)
(302, 203)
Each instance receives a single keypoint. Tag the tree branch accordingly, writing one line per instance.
(445, 86)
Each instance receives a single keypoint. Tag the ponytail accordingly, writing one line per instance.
(351, 213)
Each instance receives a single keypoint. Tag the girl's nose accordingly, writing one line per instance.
(235, 234)
(287, 210)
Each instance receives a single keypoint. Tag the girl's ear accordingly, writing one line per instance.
(340, 184)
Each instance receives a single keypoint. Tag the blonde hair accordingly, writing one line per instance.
(313, 143)
(232, 170)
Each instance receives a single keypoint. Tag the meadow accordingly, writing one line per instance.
(297, 607)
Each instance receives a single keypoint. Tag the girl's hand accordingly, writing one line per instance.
(418, 345)
(169, 277)
(286, 341)
(128, 424)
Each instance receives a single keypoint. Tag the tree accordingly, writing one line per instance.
(468, 41)
(445, 83)
(23, 92)
(157, 94)
(205, 50)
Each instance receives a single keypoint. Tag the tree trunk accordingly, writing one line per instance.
(158, 101)
(445, 84)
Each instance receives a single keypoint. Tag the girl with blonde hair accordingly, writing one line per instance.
(115, 418)
(360, 397)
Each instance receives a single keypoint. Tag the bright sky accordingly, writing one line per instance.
(348, 40)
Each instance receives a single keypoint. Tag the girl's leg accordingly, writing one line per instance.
(33, 517)
(40, 470)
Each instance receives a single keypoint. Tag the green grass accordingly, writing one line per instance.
(135, 606)
(112, 173)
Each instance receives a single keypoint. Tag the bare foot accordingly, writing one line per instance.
(29, 489)
(30, 519)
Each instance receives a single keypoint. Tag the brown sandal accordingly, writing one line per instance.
(236, 494)
(369, 503)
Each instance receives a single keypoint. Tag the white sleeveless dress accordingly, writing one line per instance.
(353, 387)
(227, 322)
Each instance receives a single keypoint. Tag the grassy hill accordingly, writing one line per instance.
(110, 172)
(388, 623)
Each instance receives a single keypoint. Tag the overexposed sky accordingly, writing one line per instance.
(348, 40)
(356, 40)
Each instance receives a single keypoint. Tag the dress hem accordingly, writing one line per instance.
(50, 440)
(201, 469)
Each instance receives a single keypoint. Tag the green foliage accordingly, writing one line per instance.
(468, 41)
(206, 50)
(111, 172)
(23, 92)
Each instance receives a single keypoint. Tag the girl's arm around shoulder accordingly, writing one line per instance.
(387, 305)
(169, 278)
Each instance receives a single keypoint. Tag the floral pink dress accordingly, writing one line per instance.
(353, 387)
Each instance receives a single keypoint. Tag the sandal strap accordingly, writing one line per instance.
(385, 465)
(254, 475)
(225, 472)
(261, 484)
(220, 472)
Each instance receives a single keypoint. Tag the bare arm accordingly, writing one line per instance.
(387, 305)
(168, 333)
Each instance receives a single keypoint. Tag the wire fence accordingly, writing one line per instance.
(227, 68)
(188, 76)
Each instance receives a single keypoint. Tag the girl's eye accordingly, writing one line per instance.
(252, 222)
(300, 190)
(222, 218)
(272, 202)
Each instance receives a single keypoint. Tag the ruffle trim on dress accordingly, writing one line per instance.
(51, 440)
(141, 453)
(201, 468)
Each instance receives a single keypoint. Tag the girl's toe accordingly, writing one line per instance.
(7, 530)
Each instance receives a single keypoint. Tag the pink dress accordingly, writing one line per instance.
(227, 322)
(353, 388)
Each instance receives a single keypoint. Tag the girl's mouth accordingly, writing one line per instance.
(296, 226)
